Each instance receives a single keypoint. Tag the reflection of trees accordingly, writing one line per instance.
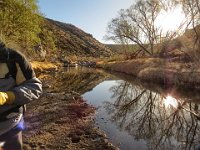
(79, 79)
(141, 112)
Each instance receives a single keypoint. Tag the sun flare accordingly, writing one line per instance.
(170, 101)
(170, 20)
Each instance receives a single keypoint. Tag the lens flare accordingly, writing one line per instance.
(21, 125)
(169, 101)
(1, 145)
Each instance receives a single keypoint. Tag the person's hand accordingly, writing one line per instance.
(7, 97)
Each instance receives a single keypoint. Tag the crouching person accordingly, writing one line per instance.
(18, 86)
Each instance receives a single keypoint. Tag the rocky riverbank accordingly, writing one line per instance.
(61, 119)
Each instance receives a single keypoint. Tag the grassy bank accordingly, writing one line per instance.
(157, 70)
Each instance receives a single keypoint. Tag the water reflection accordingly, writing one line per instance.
(153, 119)
(143, 113)
(170, 101)
(78, 79)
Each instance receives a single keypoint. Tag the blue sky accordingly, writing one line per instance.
(92, 16)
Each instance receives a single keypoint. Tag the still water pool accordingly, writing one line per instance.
(99, 97)
(138, 116)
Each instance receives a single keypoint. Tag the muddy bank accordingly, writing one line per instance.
(161, 71)
(61, 120)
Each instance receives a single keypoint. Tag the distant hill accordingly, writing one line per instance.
(119, 48)
(70, 40)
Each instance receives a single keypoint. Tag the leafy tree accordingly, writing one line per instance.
(20, 21)
(47, 37)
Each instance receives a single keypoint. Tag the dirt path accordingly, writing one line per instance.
(61, 120)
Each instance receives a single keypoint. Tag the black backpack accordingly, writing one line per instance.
(5, 58)
(12, 72)
(12, 69)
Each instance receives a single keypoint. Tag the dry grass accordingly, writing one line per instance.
(43, 66)
(158, 75)
(159, 71)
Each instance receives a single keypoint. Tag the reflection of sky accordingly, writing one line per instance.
(100, 93)
(158, 116)
(97, 97)
(170, 101)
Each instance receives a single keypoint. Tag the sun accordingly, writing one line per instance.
(169, 101)
(170, 20)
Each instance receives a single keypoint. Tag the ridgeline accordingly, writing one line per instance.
(70, 40)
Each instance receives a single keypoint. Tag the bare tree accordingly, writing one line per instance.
(137, 25)
(192, 11)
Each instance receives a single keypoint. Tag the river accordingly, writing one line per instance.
(142, 116)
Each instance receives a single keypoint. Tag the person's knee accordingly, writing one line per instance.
(12, 141)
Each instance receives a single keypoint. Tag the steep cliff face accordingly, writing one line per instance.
(71, 40)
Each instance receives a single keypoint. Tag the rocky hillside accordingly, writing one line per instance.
(70, 40)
